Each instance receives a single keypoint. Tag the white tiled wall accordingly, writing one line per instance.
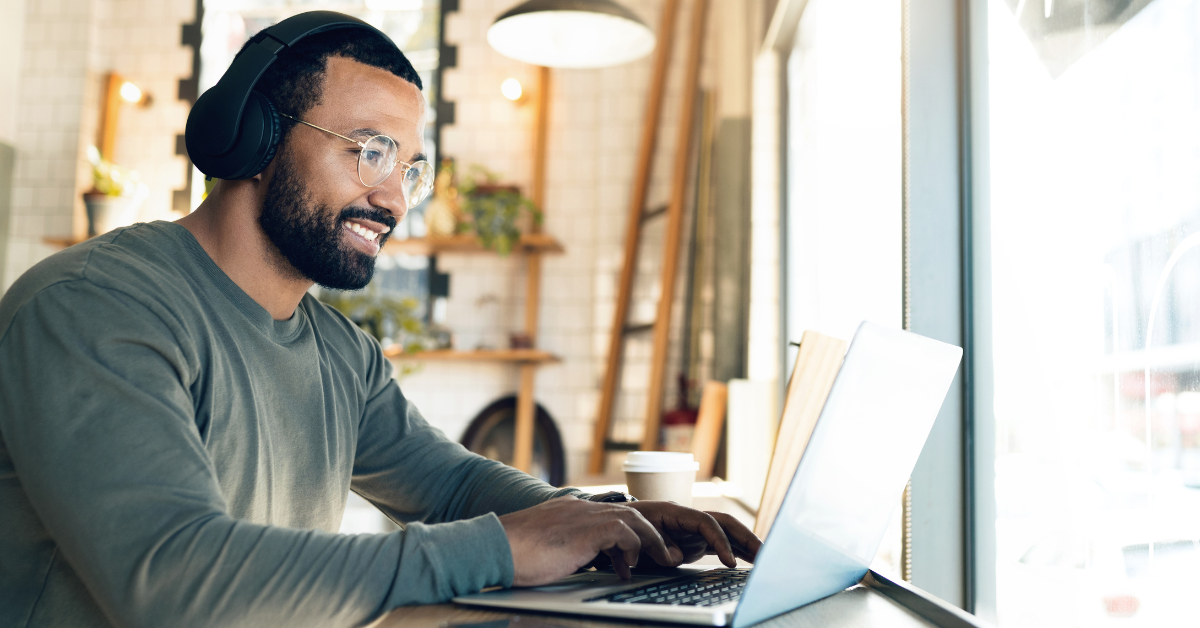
(53, 78)
(140, 39)
(595, 124)
(69, 46)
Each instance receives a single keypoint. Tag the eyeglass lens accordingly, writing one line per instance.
(378, 158)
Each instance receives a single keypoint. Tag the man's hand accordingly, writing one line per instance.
(555, 538)
(696, 533)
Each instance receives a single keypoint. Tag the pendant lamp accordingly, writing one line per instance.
(571, 34)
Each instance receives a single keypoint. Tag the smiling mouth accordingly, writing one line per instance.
(366, 233)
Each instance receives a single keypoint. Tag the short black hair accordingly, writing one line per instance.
(295, 81)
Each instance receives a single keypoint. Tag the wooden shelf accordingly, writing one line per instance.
(526, 356)
(529, 243)
(64, 242)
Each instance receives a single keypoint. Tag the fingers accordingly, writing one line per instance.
(652, 541)
(705, 525)
(622, 545)
(745, 544)
(617, 559)
(677, 552)
(694, 547)
(723, 535)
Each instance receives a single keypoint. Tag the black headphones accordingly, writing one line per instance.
(233, 131)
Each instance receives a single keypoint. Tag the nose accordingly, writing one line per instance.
(389, 196)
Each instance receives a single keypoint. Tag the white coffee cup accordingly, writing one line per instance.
(661, 476)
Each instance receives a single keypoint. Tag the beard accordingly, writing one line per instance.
(310, 237)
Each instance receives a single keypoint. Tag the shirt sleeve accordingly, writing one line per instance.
(97, 418)
(412, 472)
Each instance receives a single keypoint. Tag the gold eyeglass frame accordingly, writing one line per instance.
(363, 145)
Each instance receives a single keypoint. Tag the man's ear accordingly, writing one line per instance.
(264, 173)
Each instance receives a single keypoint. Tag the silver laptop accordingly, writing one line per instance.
(832, 520)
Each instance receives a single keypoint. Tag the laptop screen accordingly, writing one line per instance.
(865, 444)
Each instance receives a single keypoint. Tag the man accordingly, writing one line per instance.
(180, 421)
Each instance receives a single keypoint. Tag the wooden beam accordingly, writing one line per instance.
(633, 230)
(523, 436)
(541, 126)
(683, 149)
(709, 424)
(110, 109)
(523, 433)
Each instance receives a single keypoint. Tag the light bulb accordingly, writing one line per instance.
(511, 88)
(130, 92)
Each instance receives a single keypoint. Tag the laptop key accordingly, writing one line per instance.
(708, 588)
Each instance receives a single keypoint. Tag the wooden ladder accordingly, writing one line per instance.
(638, 215)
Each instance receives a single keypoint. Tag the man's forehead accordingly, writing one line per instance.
(364, 100)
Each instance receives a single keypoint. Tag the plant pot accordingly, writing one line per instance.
(105, 213)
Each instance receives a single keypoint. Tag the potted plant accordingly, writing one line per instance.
(495, 211)
(115, 196)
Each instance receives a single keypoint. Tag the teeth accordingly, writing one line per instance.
(366, 233)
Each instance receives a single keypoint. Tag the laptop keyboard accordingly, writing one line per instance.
(708, 588)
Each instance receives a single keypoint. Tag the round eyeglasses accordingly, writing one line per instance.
(377, 158)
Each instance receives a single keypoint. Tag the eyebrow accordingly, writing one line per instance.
(368, 133)
(365, 133)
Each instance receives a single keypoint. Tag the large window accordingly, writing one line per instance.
(844, 201)
(1095, 202)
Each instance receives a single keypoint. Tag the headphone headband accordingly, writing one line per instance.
(218, 119)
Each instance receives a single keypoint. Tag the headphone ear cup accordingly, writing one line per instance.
(271, 137)
(257, 139)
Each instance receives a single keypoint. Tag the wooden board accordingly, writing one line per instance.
(479, 355)
(679, 178)
(817, 365)
(523, 431)
(466, 243)
(709, 424)
(633, 231)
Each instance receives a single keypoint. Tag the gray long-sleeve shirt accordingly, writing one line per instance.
(172, 456)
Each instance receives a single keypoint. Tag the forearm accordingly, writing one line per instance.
(490, 486)
(221, 572)
(412, 472)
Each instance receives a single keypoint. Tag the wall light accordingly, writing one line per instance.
(130, 92)
(571, 34)
(511, 88)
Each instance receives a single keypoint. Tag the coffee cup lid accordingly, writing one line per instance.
(659, 461)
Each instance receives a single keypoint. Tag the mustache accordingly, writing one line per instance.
(372, 214)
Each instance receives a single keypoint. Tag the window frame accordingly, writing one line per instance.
(950, 519)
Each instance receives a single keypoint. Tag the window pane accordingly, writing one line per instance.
(844, 210)
(1095, 177)
(844, 234)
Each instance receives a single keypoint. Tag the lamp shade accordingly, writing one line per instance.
(571, 34)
